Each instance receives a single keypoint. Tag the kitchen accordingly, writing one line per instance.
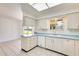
(54, 28)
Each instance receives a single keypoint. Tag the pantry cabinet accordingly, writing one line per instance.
(41, 41)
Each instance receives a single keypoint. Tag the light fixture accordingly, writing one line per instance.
(52, 4)
(40, 6)
(43, 6)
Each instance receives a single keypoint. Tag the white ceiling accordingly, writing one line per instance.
(54, 11)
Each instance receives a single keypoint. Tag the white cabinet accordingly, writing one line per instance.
(33, 42)
(41, 41)
(54, 44)
(68, 47)
(28, 43)
(58, 44)
(28, 21)
(49, 43)
(65, 46)
(77, 48)
(73, 21)
(42, 24)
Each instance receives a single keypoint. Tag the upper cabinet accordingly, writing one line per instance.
(73, 21)
(42, 25)
(27, 21)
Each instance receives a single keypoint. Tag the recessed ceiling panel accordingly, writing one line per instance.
(43, 6)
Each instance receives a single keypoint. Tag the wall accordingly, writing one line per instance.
(66, 30)
(10, 22)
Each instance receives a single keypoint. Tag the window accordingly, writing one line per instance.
(57, 24)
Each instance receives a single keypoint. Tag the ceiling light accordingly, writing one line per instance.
(52, 4)
(40, 6)
(43, 6)
(31, 3)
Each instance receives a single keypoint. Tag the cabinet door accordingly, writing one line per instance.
(49, 43)
(41, 41)
(77, 48)
(43, 24)
(33, 42)
(68, 47)
(25, 44)
(58, 44)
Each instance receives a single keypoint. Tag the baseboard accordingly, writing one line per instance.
(44, 48)
(53, 51)
(29, 50)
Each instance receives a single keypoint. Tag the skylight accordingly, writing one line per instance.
(43, 6)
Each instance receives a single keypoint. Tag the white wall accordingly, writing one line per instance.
(10, 22)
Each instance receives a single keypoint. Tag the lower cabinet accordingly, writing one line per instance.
(68, 47)
(77, 48)
(54, 44)
(41, 41)
(49, 43)
(28, 43)
(58, 44)
(33, 42)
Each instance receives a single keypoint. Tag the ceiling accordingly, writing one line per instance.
(54, 11)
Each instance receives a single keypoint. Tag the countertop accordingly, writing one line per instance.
(74, 37)
(62, 36)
